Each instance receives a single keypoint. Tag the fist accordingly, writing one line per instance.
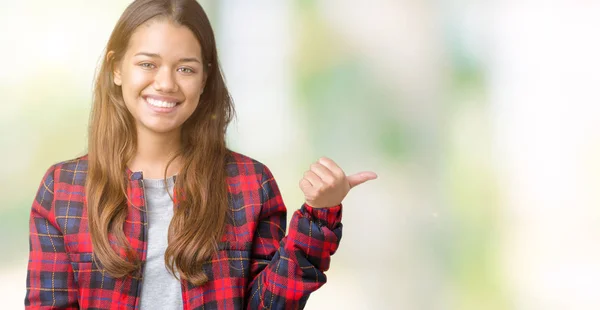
(325, 184)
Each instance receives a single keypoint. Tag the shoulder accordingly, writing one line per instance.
(240, 165)
(246, 174)
(61, 194)
(70, 172)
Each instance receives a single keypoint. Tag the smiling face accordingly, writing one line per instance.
(161, 76)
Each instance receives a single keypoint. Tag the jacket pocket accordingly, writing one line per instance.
(88, 274)
(99, 290)
(83, 266)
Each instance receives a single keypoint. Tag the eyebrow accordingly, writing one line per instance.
(154, 55)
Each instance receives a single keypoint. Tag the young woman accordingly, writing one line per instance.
(160, 214)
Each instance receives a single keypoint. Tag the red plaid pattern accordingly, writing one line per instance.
(256, 266)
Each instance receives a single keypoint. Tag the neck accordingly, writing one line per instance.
(154, 152)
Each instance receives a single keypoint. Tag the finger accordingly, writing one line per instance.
(314, 179)
(361, 177)
(332, 166)
(305, 185)
(323, 172)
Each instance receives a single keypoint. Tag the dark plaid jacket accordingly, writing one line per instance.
(256, 265)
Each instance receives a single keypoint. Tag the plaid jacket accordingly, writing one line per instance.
(256, 265)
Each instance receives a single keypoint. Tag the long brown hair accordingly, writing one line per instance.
(200, 188)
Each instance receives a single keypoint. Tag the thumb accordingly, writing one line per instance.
(361, 177)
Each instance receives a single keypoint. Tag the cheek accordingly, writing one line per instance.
(134, 81)
(192, 90)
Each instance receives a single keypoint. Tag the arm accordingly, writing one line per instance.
(285, 270)
(50, 282)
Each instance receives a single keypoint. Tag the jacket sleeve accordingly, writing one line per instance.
(50, 282)
(286, 270)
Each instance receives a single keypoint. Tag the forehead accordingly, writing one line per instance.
(163, 37)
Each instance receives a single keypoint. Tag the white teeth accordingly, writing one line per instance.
(160, 104)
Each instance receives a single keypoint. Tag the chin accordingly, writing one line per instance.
(163, 129)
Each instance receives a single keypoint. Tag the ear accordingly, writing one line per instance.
(116, 68)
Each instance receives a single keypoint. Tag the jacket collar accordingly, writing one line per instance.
(134, 175)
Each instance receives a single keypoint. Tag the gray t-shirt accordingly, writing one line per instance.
(160, 290)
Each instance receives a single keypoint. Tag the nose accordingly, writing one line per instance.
(164, 81)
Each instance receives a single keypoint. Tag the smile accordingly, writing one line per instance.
(161, 106)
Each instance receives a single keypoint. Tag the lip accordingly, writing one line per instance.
(162, 98)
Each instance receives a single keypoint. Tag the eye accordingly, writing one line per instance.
(186, 70)
(147, 65)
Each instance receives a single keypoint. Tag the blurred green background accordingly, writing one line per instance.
(480, 118)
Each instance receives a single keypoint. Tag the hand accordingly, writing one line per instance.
(325, 184)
